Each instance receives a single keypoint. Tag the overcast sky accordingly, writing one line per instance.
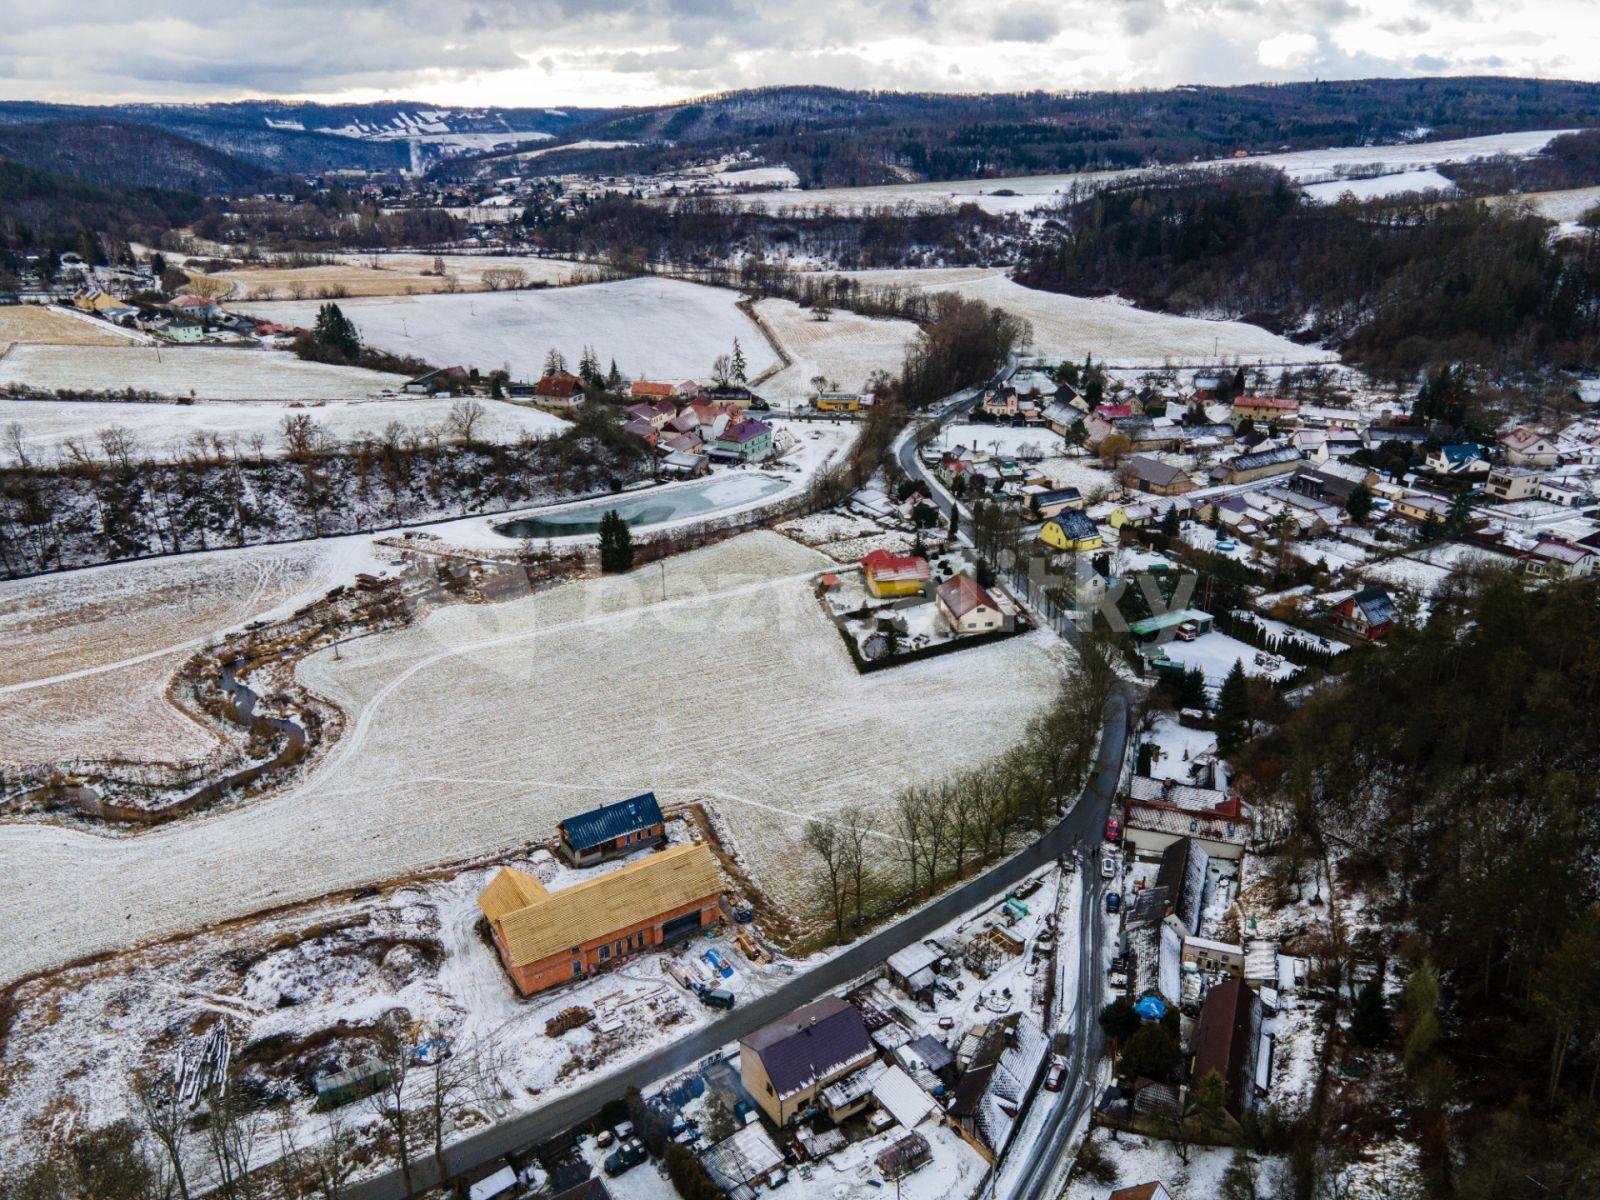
(605, 52)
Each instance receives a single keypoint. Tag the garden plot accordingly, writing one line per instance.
(1113, 331)
(652, 328)
(393, 275)
(845, 349)
(1029, 442)
(47, 425)
(37, 325)
(480, 726)
(89, 654)
(1188, 1172)
(1215, 653)
(188, 372)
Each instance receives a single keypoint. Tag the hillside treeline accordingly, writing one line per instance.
(1395, 285)
(41, 211)
(325, 220)
(1569, 161)
(706, 230)
(109, 500)
(1456, 775)
(836, 137)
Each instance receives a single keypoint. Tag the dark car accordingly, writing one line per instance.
(626, 1156)
(1113, 902)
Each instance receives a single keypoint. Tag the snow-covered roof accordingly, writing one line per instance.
(913, 958)
(900, 1095)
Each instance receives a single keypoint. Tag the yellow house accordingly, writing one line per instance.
(1071, 530)
(893, 575)
(838, 402)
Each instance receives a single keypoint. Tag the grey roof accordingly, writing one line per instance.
(587, 830)
(1376, 605)
(1183, 878)
(1153, 470)
(1264, 458)
(932, 1051)
(810, 1044)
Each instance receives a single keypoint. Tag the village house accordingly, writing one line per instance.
(1001, 404)
(612, 829)
(655, 413)
(1462, 458)
(966, 607)
(1247, 468)
(1230, 1040)
(196, 308)
(1552, 558)
(747, 440)
(548, 938)
(1568, 493)
(845, 402)
(1147, 474)
(1071, 530)
(558, 392)
(1161, 811)
(1422, 507)
(1265, 408)
(1525, 448)
(1054, 502)
(786, 1064)
(1213, 957)
(644, 431)
(1369, 613)
(445, 380)
(888, 575)
(1512, 483)
(651, 392)
(989, 1097)
(1061, 417)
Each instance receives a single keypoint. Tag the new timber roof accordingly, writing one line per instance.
(553, 922)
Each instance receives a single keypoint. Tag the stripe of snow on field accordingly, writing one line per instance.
(200, 372)
(736, 686)
(653, 328)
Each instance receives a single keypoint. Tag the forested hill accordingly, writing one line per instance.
(836, 137)
(39, 208)
(118, 154)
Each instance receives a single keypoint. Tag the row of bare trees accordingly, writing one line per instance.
(937, 833)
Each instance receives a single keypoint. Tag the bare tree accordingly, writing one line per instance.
(388, 1103)
(463, 419)
(16, 442)
(162, 1116)
(857, 829)
(830, 871)
(117, 443)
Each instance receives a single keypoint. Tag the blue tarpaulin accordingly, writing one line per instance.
(1151, 1008)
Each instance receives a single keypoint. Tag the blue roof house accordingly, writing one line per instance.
(620, 828)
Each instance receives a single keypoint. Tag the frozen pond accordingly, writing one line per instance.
(654, 507)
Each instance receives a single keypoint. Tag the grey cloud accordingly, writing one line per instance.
(1019, 24)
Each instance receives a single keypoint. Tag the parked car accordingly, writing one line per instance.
(1189, 630)
(717, 998)
(1113, 902)
(1108, 867)
(1058, 1072)
(626, 1156)
(1113, 830)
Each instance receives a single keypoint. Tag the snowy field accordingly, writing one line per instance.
(1116, 333)
(847, 348)
(1564, 207)
(89, 653)
(1026, 192)
(189, 372)
(1316, 166)
(392, 275)
(1425, 179)
(717, 678)
(653, 328)
(38, 325)
(48, 424)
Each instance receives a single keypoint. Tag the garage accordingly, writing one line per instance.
(680, 928)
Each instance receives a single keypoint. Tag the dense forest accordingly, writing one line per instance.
(1395, 285)
(1569, 161)
(117, 154)
(836, 137)
(706, 230)
(1456, 777)
(41, 210)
